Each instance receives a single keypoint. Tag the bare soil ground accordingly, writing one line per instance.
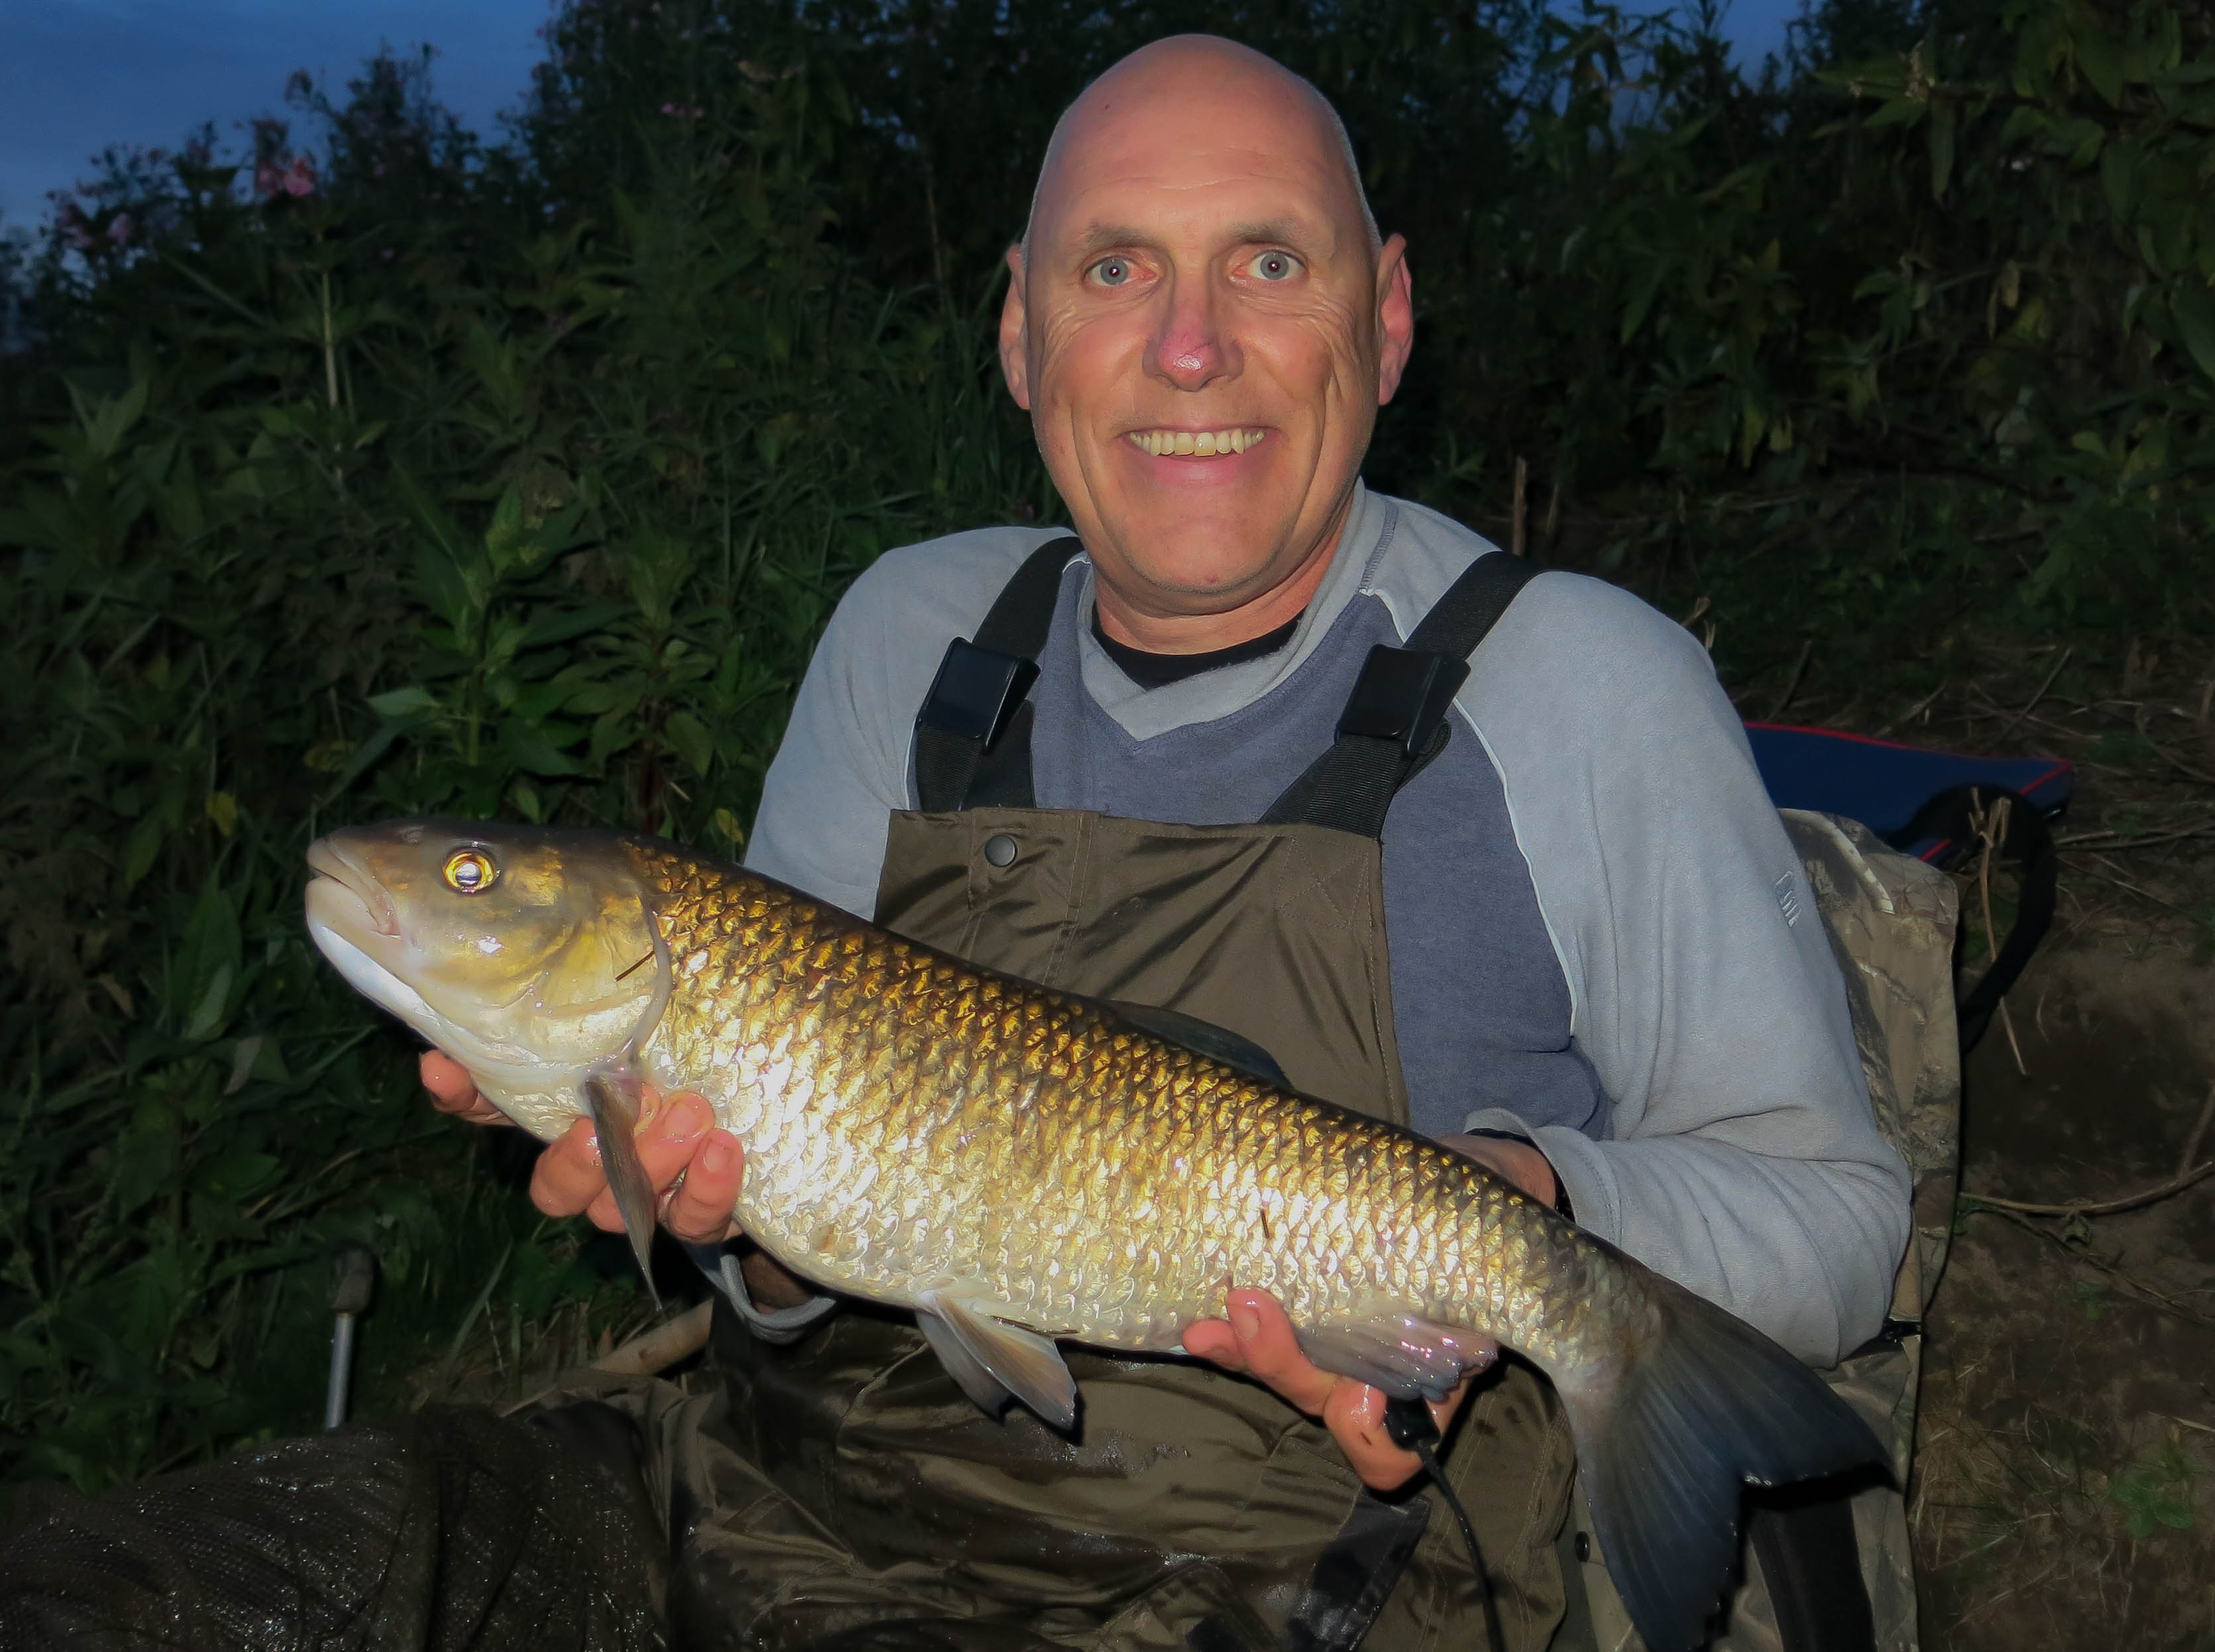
(2065, 1486)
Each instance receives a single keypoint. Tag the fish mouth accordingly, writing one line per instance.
(330, 862)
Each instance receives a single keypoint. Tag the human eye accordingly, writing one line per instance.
(1274, 264)
(1112, 271)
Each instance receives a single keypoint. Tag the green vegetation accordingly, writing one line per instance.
(402, 473)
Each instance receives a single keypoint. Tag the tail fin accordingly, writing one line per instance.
(1667, 1442)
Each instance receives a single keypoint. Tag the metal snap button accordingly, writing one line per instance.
(1584, 1546)
(1000, 849)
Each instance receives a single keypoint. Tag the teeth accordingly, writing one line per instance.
(1203, 444)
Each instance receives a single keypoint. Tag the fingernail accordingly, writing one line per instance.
(684, 1120)
(1245, 1322)
(716, 1159)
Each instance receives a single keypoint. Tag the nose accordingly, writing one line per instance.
(1190, 351)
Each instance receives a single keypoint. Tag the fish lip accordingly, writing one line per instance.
(327, 859)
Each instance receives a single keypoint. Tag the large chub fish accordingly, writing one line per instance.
(1018, 1166)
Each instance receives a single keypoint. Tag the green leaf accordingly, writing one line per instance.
(561, 624)
(2193, 307)
(1641, 298)
(690, 741)
(506, 542)
(2099, 58)
(207, 1014)
(145, 1159)
(403, 704)
(528, 746)
(206, 961)
(1942, 147)
(147, 838)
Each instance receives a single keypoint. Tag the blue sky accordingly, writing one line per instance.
(77, 75)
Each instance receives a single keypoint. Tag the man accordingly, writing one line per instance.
(1567, 939)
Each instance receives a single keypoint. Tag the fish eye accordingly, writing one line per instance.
(470, 872)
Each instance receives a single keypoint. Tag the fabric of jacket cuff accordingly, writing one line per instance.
(720, 1263)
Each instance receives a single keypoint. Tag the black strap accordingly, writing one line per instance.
(1395, 722)
(973, 735)
(2029, 841)
(1811, 1562)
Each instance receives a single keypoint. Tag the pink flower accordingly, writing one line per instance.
(300, 178)
(267, 180)
(118, 229)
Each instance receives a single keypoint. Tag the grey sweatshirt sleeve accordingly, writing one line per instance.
(1745, 1160)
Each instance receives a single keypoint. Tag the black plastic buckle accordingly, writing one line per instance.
(1403, 694)
(976, 692)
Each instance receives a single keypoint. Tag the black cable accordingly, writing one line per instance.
(1412, 1428)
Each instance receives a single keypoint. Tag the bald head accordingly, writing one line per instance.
(1201, 321)
(1191, 72)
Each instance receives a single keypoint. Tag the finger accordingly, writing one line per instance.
(672, 1134)
(699, 1207)
(1355, 1417)
(452, 1090)
(1271, 1352)
(1214, 1341)
(671, 1130)
(568, 1177)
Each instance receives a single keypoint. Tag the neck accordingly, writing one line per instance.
(1138, 619)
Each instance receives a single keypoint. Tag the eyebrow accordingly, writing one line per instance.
(1106, 237)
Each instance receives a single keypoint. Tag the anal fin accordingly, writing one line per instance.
(613, 1098)
(1018, 1361)
(1400, 1353)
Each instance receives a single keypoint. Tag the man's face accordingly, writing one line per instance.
(1202, 331)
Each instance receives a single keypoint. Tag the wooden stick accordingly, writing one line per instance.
(2104, 1208)
(1792, 682)
(658, 1349)
(1912, 712)
(2031, 705)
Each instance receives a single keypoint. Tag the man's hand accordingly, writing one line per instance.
(1256, 1340)
(695, 1169)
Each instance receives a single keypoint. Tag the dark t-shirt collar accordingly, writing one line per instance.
(1159, 670)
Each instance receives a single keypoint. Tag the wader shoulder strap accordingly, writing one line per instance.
(1394, 721)
(972, 735)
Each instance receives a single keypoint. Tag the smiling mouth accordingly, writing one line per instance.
(1194, 444)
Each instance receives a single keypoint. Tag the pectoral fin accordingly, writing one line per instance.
(991, 1394)
(613, 1098)
(1402, 1354)
(1014, 1361)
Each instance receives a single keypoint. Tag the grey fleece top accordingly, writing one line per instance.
(1589, 899)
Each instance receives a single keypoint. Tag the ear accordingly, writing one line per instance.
(1396, 316)
(1015, 361)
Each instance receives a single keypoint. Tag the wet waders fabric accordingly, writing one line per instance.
(1194, 1509)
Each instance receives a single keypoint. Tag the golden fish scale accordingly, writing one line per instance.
(914, 1123)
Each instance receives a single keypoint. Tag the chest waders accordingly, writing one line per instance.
(1194, 1509)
